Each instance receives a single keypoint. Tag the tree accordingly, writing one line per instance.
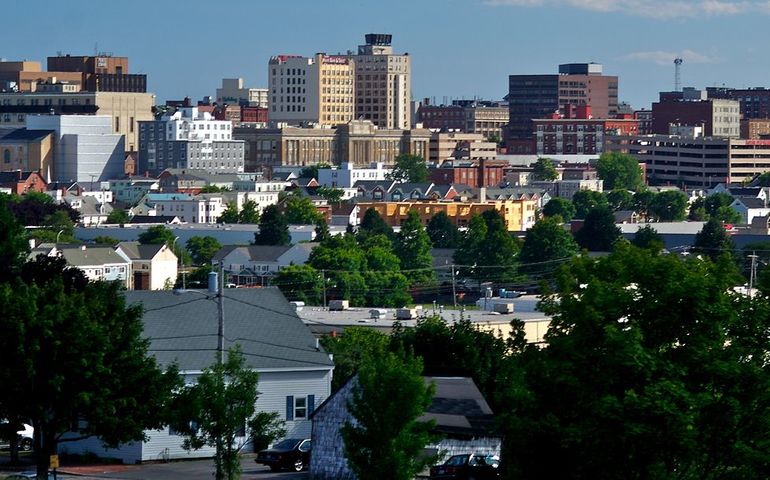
(544, 170)
(373, 224)
(160, 234)
(499, 250)
(354, 347)
(273, 229)
(14, 246)
(669, 206)
(321, 230)
(619, 171)
(643, 199)
(214, 411)
(301, 283)
(442, 232)
(331, 195)
(648, 237)
(202, 249)
(249, 213)
(546, 243)
(409, 168)
(716, 206)
(559, 207)
(599, 232)
(83, 359)
(312, 170)
(412, 245)
(387, 399)
(620, 200)
(300, 211)
(653, 368)
(106, 240)
(713, 240)
(230, 214)
(213, 189)
(586, 200)
(764, 180)
(118, 216)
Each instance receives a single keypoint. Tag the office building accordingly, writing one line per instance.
(189, 138)
(100, 73)
(311, 91)
(538, 96)
(460, 146)
(754, 102)
(578, 132)
(383, 83)
(26, 150)
(486, 118)
(232, 92)
(719, 118)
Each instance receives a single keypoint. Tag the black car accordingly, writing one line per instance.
(292, 453)
(467, 466)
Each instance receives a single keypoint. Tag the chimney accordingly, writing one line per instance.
(213, 283)
(483, 195)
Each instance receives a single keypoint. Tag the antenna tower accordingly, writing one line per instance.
(678, 74)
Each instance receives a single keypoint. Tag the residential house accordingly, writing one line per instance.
(92, 211)
(155, 220)
(539, 196)
(19, 182)
(155, 267)
(130, 190)
(347, 175)
(97, 262)
(568, 188)
(409, 191)
(294, 372)
(251, 265)
(203, 208)
(463, 419)
(750, 207)
(344, 214)
(373, 190)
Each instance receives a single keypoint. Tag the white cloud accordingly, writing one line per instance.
(658, 9)
(661, 57)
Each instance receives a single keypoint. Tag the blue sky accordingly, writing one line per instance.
(459, 48)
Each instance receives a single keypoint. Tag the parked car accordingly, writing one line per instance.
(27, 475)
(25, 438)
(468, 466)
(292, 453)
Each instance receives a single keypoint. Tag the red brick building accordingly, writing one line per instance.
(22, 182)
(577, 132)
(445, 117)
(253, 115)
(485, 173)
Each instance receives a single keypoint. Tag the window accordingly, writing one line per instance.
(299, 408)
(7, 156)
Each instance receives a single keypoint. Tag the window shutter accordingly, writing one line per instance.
(310, 405)
(290, 408)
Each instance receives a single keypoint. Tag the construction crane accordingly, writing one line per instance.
(678, 74)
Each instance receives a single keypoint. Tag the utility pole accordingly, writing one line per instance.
(454, 288)
(323, 281)
(221, 311)
(752, 273)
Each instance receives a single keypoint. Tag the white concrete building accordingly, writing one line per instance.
(189, 138)
(85, 147)
(232, 92)
(155, 267)
(204, 208)
(346, 176)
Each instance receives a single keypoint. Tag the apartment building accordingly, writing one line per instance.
(456, 145)
(578, 132)
(318, 90)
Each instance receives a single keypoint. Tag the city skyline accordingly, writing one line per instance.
(459, 48)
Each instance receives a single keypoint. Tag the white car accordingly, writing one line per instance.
(25, 438)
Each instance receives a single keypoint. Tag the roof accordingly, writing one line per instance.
(137, 251)
(744, 191)
(13, 176)
(82, 256)
(182, 328)
(369, 185)
(256, 253)
(24, 134)
(752, 202)
(345, 209)
(459, 407)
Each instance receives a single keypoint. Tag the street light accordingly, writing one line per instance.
(216, 288)
(58, 234)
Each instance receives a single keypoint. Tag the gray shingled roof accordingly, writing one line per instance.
(458, 407)
(182, 328)
(137, 251)
(256, 253)
(82, 256)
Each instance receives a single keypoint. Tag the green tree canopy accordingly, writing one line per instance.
(214, 410)
(619, 171)
(80, 352)
(669, 206)
(586, 200)
(106, 240)
(387, 399)
(409, 168)
(374, 224)
(213, 189)
(354, 347)
(300, 283)
(653, 368)
(249, 213)
(599, 232)
(620, 200)
(332, 195)
(716, 206)
(273, 228)
(412, 245)
(648, 237)
(487, 251)
(300, 211)
(118, 216)
(442, 232)
(544, 170)
(160, 234)
(713, 240)
(546, 243)
(14, 246)
(202, 249)
(559, 207)
(230, 214)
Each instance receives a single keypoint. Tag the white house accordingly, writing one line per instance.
(203, 208)
(346, 176)
(97, 262)
(294, 373)
(249, 265)
(155, 267)
(131, 190)
(750, 207)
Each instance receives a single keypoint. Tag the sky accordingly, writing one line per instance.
(459, 48)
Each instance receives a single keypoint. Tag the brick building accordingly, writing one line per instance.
(719, 118)
(754, 102)
(577, 132)
(484, 173)
(20, 182)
